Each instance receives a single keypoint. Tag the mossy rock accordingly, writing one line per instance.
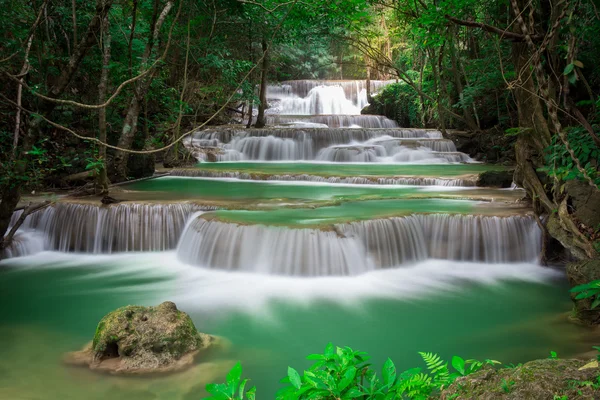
(136, 339)
(538, 379)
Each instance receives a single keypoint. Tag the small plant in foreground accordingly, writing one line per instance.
(342, 373)
(553, 355)
(507, 385)
(233, 389)
(589, 290)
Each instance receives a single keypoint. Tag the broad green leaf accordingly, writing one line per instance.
(347, 379)
(294, 378)
(234, 375)
(388, 372)
(568, 69)
(459, 364)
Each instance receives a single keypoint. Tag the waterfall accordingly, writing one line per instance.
(362, 180)
(308, 97)
(393, 145)
(107, 229)
(272, 250)
(358, 247)
(334, 121)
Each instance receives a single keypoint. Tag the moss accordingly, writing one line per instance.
(146, 336)
(537, 379)
(98, 333)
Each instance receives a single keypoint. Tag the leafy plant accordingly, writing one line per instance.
(233, 389)
(342, 373)
(590, 290)
(559, 163)
(507, 385)
(553, 355)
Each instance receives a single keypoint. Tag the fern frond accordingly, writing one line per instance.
(437, 367)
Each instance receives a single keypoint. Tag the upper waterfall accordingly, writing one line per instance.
(312, 97)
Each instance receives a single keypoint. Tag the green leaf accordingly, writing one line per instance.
(294, 378)
(347, 379)
(389, 372)
(568, 69)
(251, 394)
(233, 377)
(596, 302)
(329, 351)
(459, 364)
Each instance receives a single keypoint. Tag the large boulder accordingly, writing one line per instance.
(538, 379)
(136, 339)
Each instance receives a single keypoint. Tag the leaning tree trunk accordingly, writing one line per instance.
(260, 119)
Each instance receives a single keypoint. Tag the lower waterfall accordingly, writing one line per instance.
(358, 247)
(109, 229)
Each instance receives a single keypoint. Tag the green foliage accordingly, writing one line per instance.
(559, 163)
(233, 389)
(342, 373)
(399, 102)
(507, 385)
(590, 290)
(598, 350)
(553, 355)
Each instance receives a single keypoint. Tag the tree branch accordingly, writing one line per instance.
(515, 37)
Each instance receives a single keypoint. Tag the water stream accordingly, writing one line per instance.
(325, 226)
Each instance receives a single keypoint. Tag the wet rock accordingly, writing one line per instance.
(501, 179)
(579, 273)
(586, 202)
(136, 339)
(538, 379)
(109, 200)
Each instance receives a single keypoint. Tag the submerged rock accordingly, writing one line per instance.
(538, 379)
(136, 339)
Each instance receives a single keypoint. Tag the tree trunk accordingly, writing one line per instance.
(119, 169)
(102, 178)
(260, 119)
(471, 124)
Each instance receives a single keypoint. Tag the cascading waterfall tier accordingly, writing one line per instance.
(333, 121)
(108, 229)
(395, 145)
(312, 97)
(358, 247)
(357, 180)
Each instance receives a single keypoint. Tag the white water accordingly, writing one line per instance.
(105, 229)
(333, 145)
(358, 247)
(332, 121)
(207, 290)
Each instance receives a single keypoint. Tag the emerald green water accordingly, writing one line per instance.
(232, 190)
(347, 169)
(51, 303)
(353, 210)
